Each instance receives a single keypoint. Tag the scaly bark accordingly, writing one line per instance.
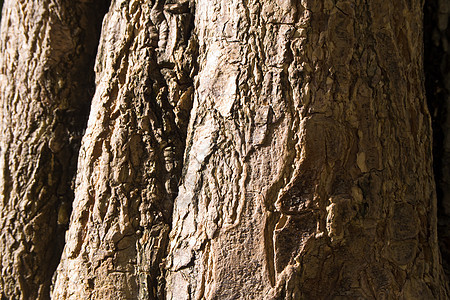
(307, 171)
(131, 155)
(47, 53)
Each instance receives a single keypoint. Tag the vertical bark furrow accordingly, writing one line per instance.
(46, 79)
(131, 155)
(307, 173)
(437, 71)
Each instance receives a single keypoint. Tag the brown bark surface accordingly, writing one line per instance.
(306, 174)
(308, 171)
(47, 52)
(131, 155)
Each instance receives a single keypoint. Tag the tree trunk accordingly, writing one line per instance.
(131, 155)
(47, 51)
(308, 171)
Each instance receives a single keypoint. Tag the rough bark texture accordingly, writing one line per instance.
(437, 70)
(131, 155)
(307, 171)
(47, 53)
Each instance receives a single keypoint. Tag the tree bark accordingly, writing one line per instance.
(308, 171)
(131, 154)
(294, 162)
(47, 50)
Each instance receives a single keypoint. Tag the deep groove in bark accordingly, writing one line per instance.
(45, 93)
(437, 77)
(80, 119)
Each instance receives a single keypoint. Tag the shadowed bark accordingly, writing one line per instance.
(47, 52)
(437, 71)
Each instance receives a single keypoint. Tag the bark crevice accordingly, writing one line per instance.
(437, 84)
(48, 50)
